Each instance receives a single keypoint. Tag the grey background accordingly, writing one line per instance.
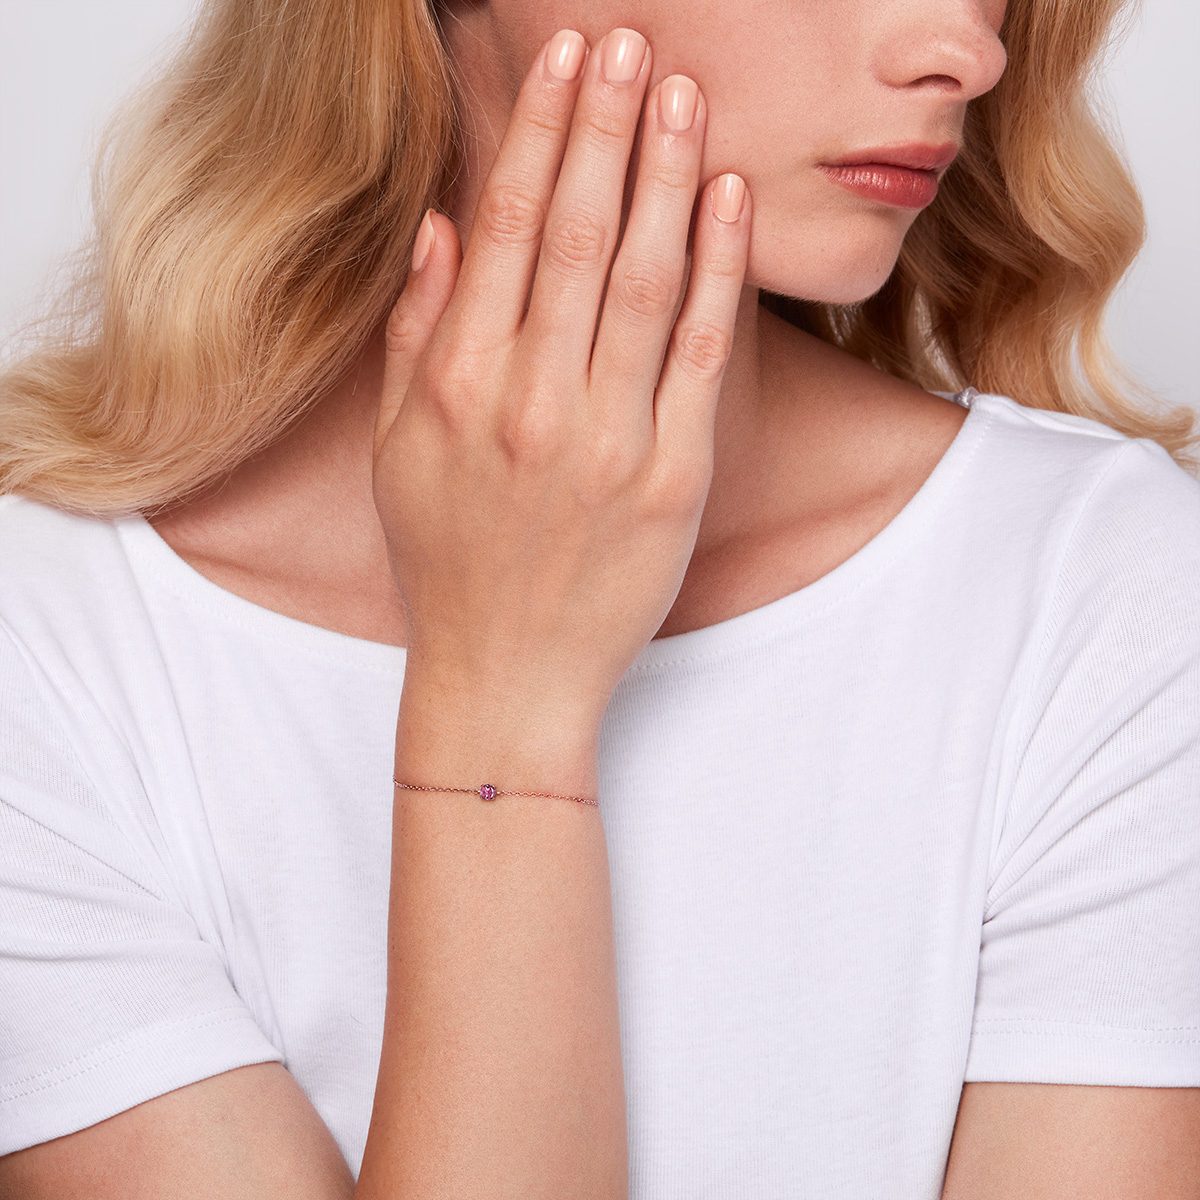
(65, 63)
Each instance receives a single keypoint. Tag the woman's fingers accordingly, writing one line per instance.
(584, 218)
(506, 230)
(647, 278)
(685, 405)
(584, 481)
(437, 254)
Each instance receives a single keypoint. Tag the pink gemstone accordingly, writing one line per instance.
(487, 791)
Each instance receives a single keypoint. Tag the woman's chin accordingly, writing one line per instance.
(837, 274)
(845, 289)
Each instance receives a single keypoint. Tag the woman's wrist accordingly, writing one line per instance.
(500, 1063)
(464, 731)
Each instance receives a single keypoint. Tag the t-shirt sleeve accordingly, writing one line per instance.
(108, 995)
(1089, 968)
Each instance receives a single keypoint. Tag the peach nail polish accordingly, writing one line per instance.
(623, 54)
(564, 55)
(423, 242)
(728, 196)
(677, 102)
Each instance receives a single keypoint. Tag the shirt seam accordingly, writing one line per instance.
(113, 1047)
(1032, 1027)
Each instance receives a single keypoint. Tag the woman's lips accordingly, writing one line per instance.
(886, 183)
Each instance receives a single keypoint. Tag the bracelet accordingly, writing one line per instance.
(486, 791)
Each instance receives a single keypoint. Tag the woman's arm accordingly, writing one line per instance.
(500, 1073)
(541, 464)
(587, 414)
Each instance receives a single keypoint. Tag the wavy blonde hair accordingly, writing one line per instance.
(257, 197)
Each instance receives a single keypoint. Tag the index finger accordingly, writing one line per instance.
(504, 238)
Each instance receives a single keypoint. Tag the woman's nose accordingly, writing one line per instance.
(952, 45)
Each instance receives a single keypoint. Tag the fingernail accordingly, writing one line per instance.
(728, 196)
(424, 242)
(564, 55)
(624, 53)
(677, 102)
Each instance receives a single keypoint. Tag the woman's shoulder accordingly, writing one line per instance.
(1114, 520)
(81, 684)
(1025, 428)
(38, 539)
(69, 601)
(53, 557)
(1060, 461)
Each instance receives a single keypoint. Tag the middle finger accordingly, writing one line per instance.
(583, 221)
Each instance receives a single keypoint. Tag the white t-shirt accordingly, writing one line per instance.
(932, 818)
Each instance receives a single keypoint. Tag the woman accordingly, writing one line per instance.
(853, 724)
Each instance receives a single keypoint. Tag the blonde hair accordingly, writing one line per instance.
(256, 201)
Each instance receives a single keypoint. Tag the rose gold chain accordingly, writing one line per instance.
(486, 791)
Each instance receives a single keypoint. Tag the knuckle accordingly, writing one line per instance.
(452, 413)
(608, 465)
(447, 364)
(509, 215)
(450, 377)
(725, 267)
(703, 348)
(403, 332)
(576, 241)
(445, 395)
(606, 126)
(681, 487)
(548, 118)
(674, 176)
(647, 289)
(529, 434)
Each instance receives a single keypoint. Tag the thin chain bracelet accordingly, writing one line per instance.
(486, 791)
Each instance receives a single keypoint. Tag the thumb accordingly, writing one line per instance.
(436, 257)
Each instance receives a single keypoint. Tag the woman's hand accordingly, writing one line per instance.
(542, 459)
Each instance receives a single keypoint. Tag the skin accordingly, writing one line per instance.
(813, 453)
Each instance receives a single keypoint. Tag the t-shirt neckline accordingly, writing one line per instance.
(151, 552)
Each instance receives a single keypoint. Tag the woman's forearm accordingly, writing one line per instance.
(500, 1072)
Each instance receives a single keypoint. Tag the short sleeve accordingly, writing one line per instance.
(1089, 968)
(108, 995)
